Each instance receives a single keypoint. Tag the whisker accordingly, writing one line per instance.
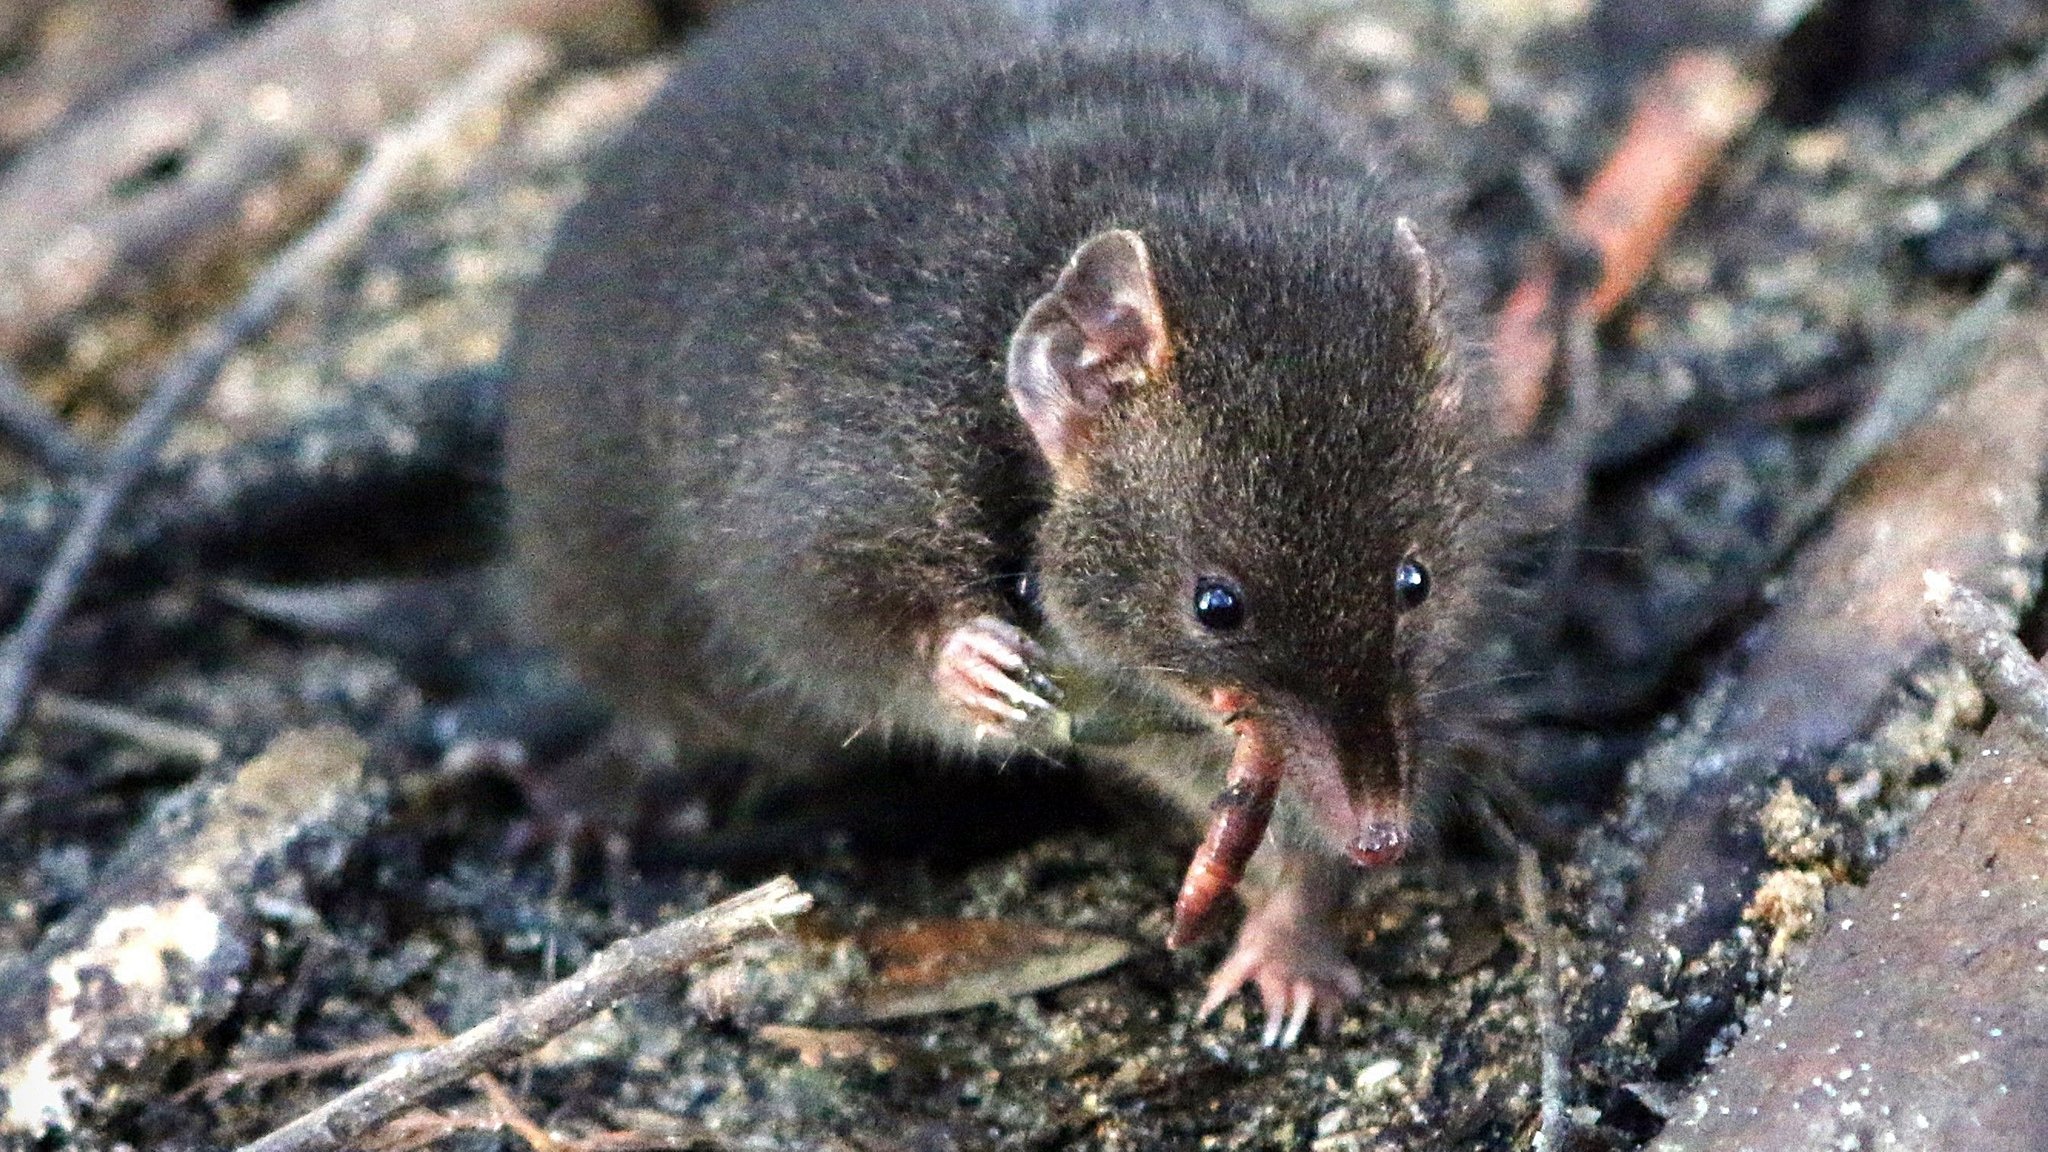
(1484, 682)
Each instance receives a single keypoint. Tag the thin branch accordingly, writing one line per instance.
(506, 70)
(627, 968)
(1552, 1040)
(1578, 279)
(155, 184)
(1982, 639)
(503, 1106)
(1684, 118)
(1963, 135)
(311, 1064)
(31, 427)
(648, 1142)
(1571, 273)
(174, 742)
(82, 51)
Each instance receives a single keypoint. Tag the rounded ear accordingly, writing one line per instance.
(1428, 289)
(1082, 347)
(1421, 265)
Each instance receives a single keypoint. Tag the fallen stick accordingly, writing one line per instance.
(1682, 122)
(499, 1097)
(161, 949)
(1553, 1041)
(84, 49)
(179, 743)
(1961, 136)
(31, 427)
(184, 514)
(261, 1072)
(627, 968)
(1981, 638)
(511, 67)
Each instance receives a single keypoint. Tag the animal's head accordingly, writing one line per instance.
(1262, 483)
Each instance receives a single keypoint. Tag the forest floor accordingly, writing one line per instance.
(1828, 379)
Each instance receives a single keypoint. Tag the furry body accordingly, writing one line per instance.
(762, 449)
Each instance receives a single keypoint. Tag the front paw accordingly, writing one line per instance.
(1296, 964)
(988, 671)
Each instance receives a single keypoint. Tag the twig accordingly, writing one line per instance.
(174, 742)
(1568, 278)
(184, 513)
(1917, 380)
(1963, 135)
(507, 69)
(1982, 639)
(500, 1098)
(424, 1127)
(1579, 279)
(1552, 1040)
(648, 1142)
(86, 49)
(312, 1064)
(626, 968)
(30, 426)
(1684, 119)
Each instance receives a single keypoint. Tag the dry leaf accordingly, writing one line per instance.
(928, 966)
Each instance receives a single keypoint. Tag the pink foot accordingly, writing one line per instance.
(1288, 951)
(987, 669)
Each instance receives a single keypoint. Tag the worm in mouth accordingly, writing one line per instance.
(1237, 823)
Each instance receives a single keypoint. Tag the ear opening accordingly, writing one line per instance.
(1086, 345)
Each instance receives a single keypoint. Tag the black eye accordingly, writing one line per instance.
(1219, 606)
(1411, 584)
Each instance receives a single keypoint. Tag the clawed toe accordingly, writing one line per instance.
(1298, 974)
(986, 668)
(1289, 1004)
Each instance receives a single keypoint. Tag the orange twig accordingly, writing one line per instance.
(217, 1085)
(1682, 122)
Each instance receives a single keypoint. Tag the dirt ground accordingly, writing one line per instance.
(1728, 746)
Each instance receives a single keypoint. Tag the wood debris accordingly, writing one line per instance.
(160, 952)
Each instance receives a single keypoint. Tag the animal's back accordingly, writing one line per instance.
(629, 359)
(759, 423)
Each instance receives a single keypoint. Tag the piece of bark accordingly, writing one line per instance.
(160, 951)
(1960, 492)
(215, 157)
(82, 49)
(1920, 1019)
